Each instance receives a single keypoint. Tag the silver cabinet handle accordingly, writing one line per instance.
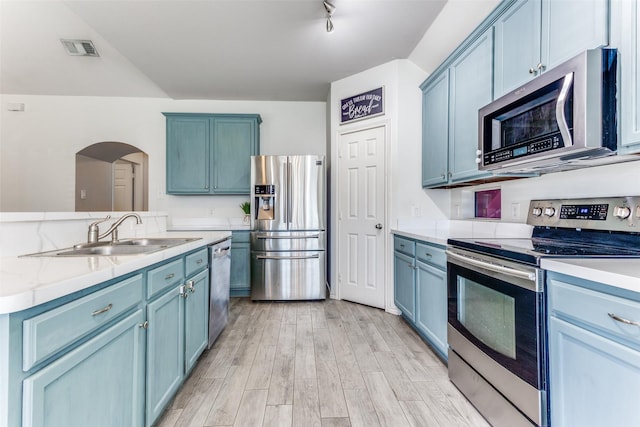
(623, 320)
(191, 286)
(169, 276)
(532, 70)
(184, 292)
(144, 325)
(428, 255)
(102, 310)
(200, 261)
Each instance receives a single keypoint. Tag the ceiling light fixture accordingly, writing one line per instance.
(330, 8)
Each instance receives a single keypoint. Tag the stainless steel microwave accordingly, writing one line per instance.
(560, 118)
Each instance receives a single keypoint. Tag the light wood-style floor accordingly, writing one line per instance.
(331, 363)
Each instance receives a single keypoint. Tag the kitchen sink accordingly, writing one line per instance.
(135, 246)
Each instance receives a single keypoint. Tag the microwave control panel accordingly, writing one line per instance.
(551, 142)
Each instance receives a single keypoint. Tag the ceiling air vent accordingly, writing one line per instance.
(79, 47)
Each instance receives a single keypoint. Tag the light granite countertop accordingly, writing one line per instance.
(620, 273)
(26, 282)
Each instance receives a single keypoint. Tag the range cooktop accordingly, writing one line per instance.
(604, 227)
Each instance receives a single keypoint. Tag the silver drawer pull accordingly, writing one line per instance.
(200, 261)
(102, 310)
(428, 255)
(169, 276)
(623, 320)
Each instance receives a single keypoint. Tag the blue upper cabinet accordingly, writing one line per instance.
(517, 52)
(236, 140)
(209, 153)
(471, 86)
(188, 147)
(535, 35)
(626, 18)
(435, 131)
(450, 103)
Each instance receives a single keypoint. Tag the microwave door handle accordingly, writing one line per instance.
(560, 117)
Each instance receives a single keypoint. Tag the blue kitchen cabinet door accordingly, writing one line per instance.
(240, 264)
(235, 141)
(196, 333)
(629, 85)
(435, 131)
(188, 154)
(517, 45)
(471, 82)
(571, 27)
(404, 284)
(431, 306)
(165, 351)
(100, 383)
(594, 381)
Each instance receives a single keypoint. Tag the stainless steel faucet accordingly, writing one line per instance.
(94, 231)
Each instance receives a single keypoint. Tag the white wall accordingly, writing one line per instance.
(38, 146)
(621, 179)
(402, 119)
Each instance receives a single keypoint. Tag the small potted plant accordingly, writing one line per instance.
(246, 208)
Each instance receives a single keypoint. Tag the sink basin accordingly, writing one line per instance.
(135, 246)
(160, 241)
(109, 250)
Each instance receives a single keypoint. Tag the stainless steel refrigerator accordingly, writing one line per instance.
(288, 228)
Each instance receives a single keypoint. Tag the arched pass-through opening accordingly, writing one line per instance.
(112, 176)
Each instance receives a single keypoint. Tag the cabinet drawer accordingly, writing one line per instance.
(593, 308)
(49, 332)
(431, 255)
(405, 246)
(196, 262)
(164, 276)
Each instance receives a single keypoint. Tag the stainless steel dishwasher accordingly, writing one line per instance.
(219, 282)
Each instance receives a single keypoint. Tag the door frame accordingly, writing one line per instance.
(388, 268)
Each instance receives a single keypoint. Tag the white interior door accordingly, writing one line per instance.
(361, 216)
(122, 185)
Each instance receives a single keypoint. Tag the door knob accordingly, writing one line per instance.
(379, 226)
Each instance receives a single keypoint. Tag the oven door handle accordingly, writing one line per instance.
(494, 267)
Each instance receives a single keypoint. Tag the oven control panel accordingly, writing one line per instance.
(606, 213)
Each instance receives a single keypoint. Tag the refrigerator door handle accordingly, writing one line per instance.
(288, 193)
(286, 257)
(268, 237)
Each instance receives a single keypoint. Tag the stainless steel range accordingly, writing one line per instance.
(496, 307)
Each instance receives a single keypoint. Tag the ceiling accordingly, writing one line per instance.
(209, 49)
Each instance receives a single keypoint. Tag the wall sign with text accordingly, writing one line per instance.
(362, 106)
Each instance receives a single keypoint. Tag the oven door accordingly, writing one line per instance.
(496, 325)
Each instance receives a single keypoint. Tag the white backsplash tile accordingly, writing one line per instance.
(31, 232)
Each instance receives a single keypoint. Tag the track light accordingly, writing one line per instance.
(329, 24)
(330, 8)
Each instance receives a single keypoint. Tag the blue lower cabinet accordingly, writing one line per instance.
(99, 383)
(420, 289)
(405, 284)
(196, 330)
(115, 356)
(165, 351)
(431, 306)
(594, 359)
(240, 264)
